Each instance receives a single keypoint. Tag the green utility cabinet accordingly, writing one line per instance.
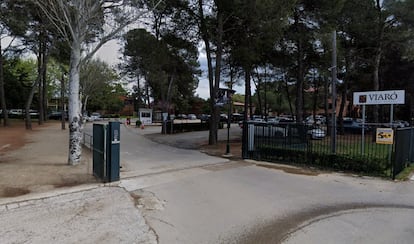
(106, 151)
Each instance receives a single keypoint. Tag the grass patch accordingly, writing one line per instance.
(406, 173)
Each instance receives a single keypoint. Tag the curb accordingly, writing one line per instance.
(24, 200)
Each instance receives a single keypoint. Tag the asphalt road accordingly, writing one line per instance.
(252, 204)
(240, 202)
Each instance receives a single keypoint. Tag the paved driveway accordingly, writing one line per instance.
(142, 156)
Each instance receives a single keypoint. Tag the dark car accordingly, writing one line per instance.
(57, 115)
(204, 117)
(353, 126)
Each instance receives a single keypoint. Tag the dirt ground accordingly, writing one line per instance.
(27, 167)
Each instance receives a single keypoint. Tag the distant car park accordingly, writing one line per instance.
(57, 115)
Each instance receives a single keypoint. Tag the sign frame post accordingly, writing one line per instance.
(390, 97)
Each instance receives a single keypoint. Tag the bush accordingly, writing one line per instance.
(187, 127)
(348, 163)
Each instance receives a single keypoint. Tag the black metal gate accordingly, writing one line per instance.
(404, 143)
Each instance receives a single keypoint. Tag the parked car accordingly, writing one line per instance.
(15, 113)
(316, 133)
(317, 119)
(95, 117)
(403, 123)
(236, 117)
(191, 116)
(181, 116)
(204, 117)
(277, 120)
(57, 115)
(223, 117)
(397, 124)
(351, 125)
(33, 113)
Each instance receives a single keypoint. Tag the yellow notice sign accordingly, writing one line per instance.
(385, 136)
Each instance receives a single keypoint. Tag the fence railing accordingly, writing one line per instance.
(404, 149)
(355, 148)
(87, 140)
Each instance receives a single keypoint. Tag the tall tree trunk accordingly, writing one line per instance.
(299, 83)
(166, 105)
(377, 57)
(300, 72)
(217, 76)
(40, 98)
(2, 92)
(288, 96)
(139, 93)
(344, 92)
(42, 72)
(258, 85)
(248, 114)
(75, 122)
(147, 95)
(214, 79)
(62, 101)
(44, 86)
(28, 121)
(37, 84)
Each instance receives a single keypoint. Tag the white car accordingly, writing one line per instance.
(316, 133)
(94, 117)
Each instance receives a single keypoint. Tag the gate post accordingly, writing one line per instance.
(98, 148)
(112, 151)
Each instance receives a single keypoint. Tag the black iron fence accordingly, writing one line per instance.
(404, 146)
(354, 150)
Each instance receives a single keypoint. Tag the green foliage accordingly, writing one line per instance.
(100, 88)
(108, 98)
(169, 65)
(13, 18)
(19, 75)
(406, 173)
(343, 162)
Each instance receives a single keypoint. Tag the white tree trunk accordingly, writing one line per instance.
(75, 122)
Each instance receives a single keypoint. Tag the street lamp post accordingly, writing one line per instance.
(226, 97)
(228, 128)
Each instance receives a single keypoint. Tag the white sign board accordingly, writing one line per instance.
(379, 97)
(145, 115)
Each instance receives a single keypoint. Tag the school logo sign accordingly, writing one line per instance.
(379, 97)
(385, 136)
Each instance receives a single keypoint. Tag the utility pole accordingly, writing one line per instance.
(334, 78)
